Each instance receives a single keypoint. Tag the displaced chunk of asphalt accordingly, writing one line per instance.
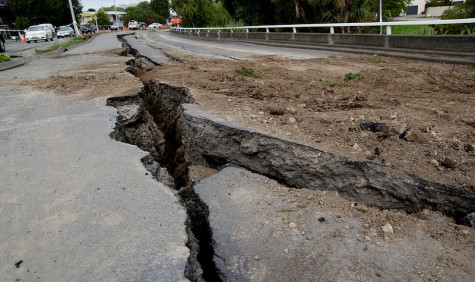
(266, 232)
(152, 54)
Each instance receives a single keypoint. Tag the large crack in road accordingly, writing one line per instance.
(162, 120)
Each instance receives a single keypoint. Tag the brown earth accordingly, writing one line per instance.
(322, 102)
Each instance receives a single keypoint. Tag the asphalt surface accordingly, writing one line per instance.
(76, 205)
(227, 49)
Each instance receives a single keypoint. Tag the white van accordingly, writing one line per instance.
(51, 27)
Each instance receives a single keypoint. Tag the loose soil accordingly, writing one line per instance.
(428, 107)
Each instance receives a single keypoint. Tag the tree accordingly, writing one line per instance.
(161, 7)
(55, 12)
(102, 18)
(201, 13)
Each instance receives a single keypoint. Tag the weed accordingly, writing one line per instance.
(408, 89)
(461, 119)
(332, 83)
(71, 42)
(4, 58)
(379, 61)
(243, 71)
(460, 99)
(285, 210)
(352, 76)
(49, 49)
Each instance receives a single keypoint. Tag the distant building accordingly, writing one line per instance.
(418, 7)
(87, 16)
(113, 14)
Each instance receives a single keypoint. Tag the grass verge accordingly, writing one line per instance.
(71, 42)
(4, 58)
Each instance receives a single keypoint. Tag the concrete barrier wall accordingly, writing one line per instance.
(454, 43)
(461, 43)
(312, 37)
(359, 39)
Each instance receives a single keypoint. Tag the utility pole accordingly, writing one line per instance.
(116, 19)
(74, 18)
(380, 16)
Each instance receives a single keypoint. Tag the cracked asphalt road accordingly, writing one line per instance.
(76, 205)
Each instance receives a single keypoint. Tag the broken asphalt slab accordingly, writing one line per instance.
(267, 232)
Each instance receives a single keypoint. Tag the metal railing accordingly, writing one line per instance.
(332, 26)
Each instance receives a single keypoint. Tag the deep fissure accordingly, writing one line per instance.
(167, 152)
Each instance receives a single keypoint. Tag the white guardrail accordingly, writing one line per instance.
(332, 26)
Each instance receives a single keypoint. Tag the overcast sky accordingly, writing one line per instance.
(96, 4)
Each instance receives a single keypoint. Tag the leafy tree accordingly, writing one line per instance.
(459, 11)
(143, 12)
(102, 18)
(200, 13)
(161, 7)
(56, 12)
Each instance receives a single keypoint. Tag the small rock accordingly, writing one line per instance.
(302, 105)
(362, 117)
(387, 228)
(308, 237)
(257, 257)
(357, 147)
(377, 151)
(369, 155)
(373, 126)
(303, 233)
(292, 110)
(367, 238)
(286, 251)
(276, 111)
(448, 163)
(321, 219)
(293, 225)
(470, 219)
(465, 232)
(434, 163)
(393, 116)
(414, 135)
(292, 120)
(468, 147)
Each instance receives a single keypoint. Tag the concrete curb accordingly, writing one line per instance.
(14, 63)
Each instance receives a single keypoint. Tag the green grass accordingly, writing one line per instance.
(352, 76)
(71, 42)
(4, 58)
(411, 29)
(246, 72)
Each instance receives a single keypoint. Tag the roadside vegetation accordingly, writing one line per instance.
(4, 58)
(73, 41)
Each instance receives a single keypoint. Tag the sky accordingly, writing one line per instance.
(96, 4)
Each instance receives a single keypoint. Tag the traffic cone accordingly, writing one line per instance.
(23, 39)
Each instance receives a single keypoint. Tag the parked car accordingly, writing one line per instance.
(133, 25)
(117, 26)
(38, 32)
(154, 25)
(2, 43)
(88, 28)
(142, 25)
(65, 31)
(51, 27)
